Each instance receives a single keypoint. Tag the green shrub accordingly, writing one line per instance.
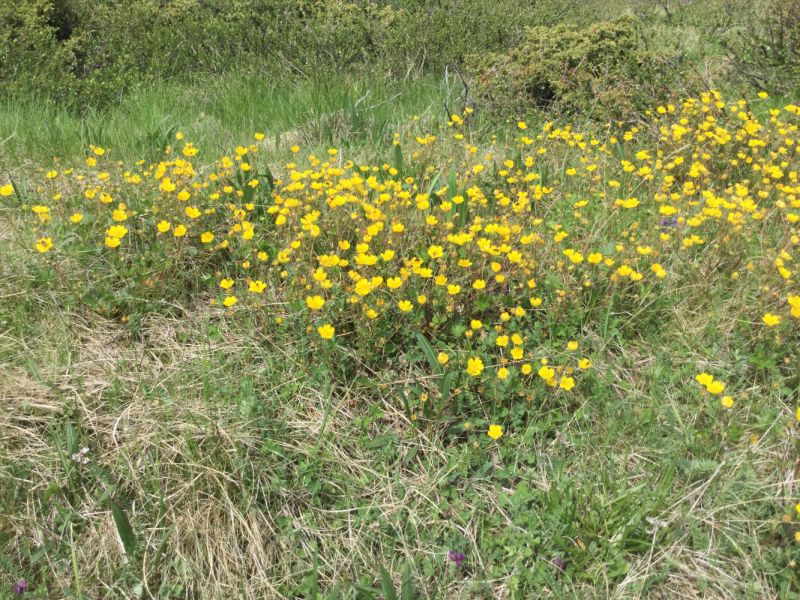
(31, 56)
(765, 51)
(89, 54)
(599, 72)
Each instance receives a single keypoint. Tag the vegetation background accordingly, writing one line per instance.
(216, 471)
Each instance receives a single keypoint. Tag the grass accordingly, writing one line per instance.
(236, 459)
(217, 110)
(209, 432)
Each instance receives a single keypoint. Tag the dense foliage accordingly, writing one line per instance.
(90, 53)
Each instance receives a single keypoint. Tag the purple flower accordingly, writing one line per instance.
(457, 557)
(20, 587)
(559, 562)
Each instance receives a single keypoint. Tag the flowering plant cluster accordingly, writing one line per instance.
(492, 252)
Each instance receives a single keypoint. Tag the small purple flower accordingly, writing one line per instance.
(559, 562)
(668, 223)
(457, 557)
(20, 587)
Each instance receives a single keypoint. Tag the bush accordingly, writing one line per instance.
(89, 54)
(765, 51)
(599, 72)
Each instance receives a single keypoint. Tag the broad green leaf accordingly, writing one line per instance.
(387, 586)
(124, 529)
(427, 349)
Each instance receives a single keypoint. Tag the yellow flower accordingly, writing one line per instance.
(502, 341)
(526, 369)
(475, 324)
(192, 212)
(794, 302)
(226, 284)
(179, 231)
(326, 332)
(572, 346)
(453, 289)
(315, 302)
(257, 286)
(295, 149)
(117, 231)
(6, 190)
(435, 251)
(566, 383)
(44, 244)
(230, 301)
(704, 379)
(76, 218)
(163, 227)
(112, 242)
(259, 136)
(502, 373)
(495, 432)
(442, 358)
(715, 387)
(474, 366)
(726, 401)
(394, 282)
(585, 363)
(771, 319)
(207, 237)
(421, 299)
(479, 284)
(517, 353)
(405, 305)
(546, 373)
(536, 302)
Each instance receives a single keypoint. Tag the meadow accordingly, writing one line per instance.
(520, 323)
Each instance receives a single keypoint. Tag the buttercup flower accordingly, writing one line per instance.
(326, 332)
(315, 302)
(495, 432)
(474, 366)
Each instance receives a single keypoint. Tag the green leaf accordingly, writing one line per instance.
(268, 175)
(50, 491)
(315, 576)
(387, 586)
(383, 440)
(462, 214)
(161, 547)
(72, 440)
(124, 529)
(398, 159)
(445, 385)
(33, 369)
(435, 181)
(452, 182)
(365, 589)
(406, 588)
(427, 349)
